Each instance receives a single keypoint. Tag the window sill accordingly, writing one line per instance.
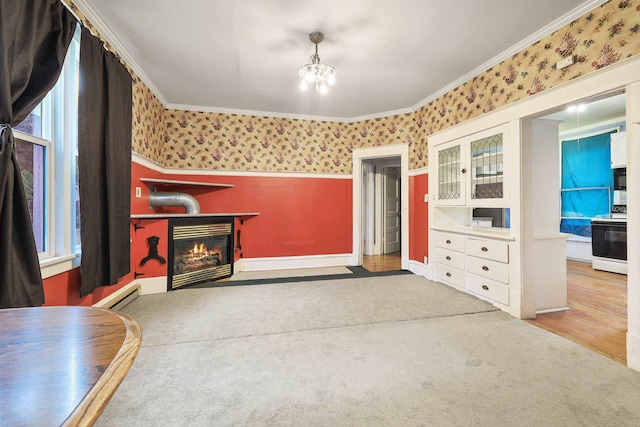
(56, 265)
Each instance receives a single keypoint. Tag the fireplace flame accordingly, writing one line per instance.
(200, 250)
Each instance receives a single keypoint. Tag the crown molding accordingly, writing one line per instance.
(529, 41)
(111, 38)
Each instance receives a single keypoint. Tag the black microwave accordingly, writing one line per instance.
(620, 179)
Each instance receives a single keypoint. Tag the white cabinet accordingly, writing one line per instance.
(450, 258)
(476, 265)
(619, 150)
(471, 169)
(516, 166)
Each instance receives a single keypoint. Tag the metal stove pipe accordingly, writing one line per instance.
(174, 199)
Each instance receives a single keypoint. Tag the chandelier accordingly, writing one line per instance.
(316, 73)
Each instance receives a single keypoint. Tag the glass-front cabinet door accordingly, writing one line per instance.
(451, 186)
(486, 167)
(471, 169)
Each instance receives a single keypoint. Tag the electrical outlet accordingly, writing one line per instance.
(426, 198)
(426, 260)
(563, 63)
(138, 192)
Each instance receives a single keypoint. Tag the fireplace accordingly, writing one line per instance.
(200, 250)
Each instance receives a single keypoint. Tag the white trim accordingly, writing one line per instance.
(284, 263)
(153, 285)
(633, 351)
(112, 299)
(552, 310)
(147, 163)
(102, 28)
(421, 171)
(143, 161)
(108, 35)
(360, 154)
(419, 268)
(55, 265)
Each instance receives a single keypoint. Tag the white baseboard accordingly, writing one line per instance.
(421, 269)
(153, 285)
(283, 263)
(112, 300)
(633, 351)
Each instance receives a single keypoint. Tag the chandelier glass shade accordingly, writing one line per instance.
(315, 73)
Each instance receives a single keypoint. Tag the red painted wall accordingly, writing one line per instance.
(64, 288)
(297, 216)
(418, 217)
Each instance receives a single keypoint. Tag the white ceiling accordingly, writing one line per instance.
(242, 56)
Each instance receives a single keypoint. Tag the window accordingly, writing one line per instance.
(46, 148)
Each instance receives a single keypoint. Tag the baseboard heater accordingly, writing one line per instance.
(120, 298)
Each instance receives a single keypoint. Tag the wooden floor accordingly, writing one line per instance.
(597, 315)
(378, 263)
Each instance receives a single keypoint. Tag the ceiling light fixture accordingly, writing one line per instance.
(316, 73)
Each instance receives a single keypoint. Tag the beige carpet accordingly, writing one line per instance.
(383, 351)
(295, 272)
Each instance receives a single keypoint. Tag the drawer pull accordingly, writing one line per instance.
(448, 242)
(485, 287)
(448, 274)
(485, 268)
(448, 258)
(484, 249)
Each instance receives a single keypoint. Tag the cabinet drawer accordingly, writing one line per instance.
(453, 242)
(496, 250)
(449, 274)
(450, 258)
(488, 288)
(488, 268)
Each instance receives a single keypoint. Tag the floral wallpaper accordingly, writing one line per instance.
(196, 140)
(148, 123)
(252, 143)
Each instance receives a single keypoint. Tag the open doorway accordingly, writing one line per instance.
(597, 298)
(381, 205)
(381, 213)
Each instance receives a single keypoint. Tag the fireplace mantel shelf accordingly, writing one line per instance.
(158, 181)
(186, 215)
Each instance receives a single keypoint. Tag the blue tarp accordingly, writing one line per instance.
(586, 163)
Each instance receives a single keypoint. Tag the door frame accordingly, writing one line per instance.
(373, 153)
(384, 206)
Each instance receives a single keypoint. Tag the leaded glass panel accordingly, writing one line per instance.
(487, 168)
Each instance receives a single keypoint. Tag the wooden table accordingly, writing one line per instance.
(61, 365)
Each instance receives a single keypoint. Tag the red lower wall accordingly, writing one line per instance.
(64, 288)
(297, 216)
(418, 217)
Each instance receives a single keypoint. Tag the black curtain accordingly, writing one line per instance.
(34, 39)
(104, 164)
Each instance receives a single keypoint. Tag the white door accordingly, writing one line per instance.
(391, 208)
